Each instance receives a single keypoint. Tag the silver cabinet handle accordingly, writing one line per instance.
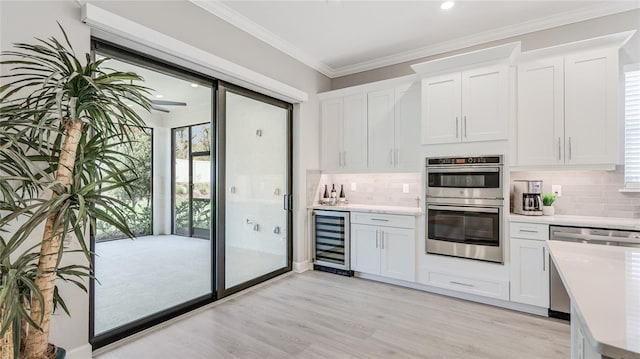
(382, 239)
(380, 219)
(457, 126)
(397, 156)
(527, 231)
(459, 283)
(376, 238)
(559, 150)
(544, 260)
(569, 147)
(465, 126)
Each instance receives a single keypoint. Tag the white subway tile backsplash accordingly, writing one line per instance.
(375, 188)
(588, 193)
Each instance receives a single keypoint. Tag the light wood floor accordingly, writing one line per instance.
(321, 315)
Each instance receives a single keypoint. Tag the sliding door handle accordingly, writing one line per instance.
(288, 202)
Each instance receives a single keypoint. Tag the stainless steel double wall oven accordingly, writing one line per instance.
(465, 207)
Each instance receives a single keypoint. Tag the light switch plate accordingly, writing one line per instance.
(556, 189)
(353, 186)
(405, 188)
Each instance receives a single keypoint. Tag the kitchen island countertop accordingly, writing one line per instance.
(604, 285)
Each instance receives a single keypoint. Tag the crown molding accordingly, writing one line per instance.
(240, 21)
(491, 35)
(231, 16)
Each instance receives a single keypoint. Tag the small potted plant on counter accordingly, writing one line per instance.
(547, 204)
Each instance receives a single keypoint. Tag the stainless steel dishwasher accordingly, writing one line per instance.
(560, 304)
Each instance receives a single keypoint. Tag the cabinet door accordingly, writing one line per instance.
(529, 272)
(484, 104)
(354, 129)
(407, 127)
(331, 132)
(591, 123)
(541, 112)
(398, 247)
(381, 129)
(365, 248)
(441, 109)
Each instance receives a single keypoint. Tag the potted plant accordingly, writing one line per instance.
(547, 204)
(60, 120)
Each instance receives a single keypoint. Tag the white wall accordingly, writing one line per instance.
(21, 21)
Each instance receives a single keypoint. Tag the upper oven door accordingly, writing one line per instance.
(467, 225)
(465, 182)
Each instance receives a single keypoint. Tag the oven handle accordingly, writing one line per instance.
(466, 209)
(463, 169)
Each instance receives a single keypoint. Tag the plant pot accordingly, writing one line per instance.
(548, 210)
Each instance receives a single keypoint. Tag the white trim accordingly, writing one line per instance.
(370, 86)
(629, 190)
(110, 24)
(492, 55)
(238, 20)
(82, 352)
(300, 267)
(224, 12)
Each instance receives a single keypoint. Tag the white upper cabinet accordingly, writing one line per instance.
(465, 106)
(441, 109)
(394, 120)
(540, 134)
(567, 109)
(382, 148)
(376, 130)
(331, 132)
(484, 104)
(344, 133)
(591, 123)
(407, 127)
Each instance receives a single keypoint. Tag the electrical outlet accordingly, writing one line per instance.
(353, 186)
(556, 189)
(405, 188)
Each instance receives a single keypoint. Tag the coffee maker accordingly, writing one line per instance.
(527, 197)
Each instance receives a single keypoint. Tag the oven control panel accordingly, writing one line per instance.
(464, 160)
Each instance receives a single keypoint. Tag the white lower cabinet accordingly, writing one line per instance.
(529, 264)
(383, 250)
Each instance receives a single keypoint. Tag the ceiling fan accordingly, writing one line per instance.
(158, 105)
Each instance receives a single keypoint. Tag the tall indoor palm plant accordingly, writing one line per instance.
(60, 121)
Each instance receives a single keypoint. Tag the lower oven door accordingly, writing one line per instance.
(465, 231)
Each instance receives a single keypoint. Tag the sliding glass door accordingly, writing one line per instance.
(159, 274)
(255, 239)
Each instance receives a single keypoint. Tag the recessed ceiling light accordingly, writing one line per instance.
(194, 85)
(447, 5)
(159, 96)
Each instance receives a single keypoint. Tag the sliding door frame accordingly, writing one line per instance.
(97, 341)
(222, 90)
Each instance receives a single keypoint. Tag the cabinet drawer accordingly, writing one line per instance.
(530, 230)
(386, 220)
(487, 288)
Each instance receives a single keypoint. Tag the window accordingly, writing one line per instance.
(632, 127)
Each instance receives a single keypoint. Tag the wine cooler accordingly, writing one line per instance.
(331, 242)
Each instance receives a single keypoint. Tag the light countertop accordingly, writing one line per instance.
(604, 285)
(412, 211)
(581, 221)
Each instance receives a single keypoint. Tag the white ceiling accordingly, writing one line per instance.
(340, 37)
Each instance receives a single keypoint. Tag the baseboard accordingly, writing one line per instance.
(300, 267)
(460, 295)
(82, 352)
